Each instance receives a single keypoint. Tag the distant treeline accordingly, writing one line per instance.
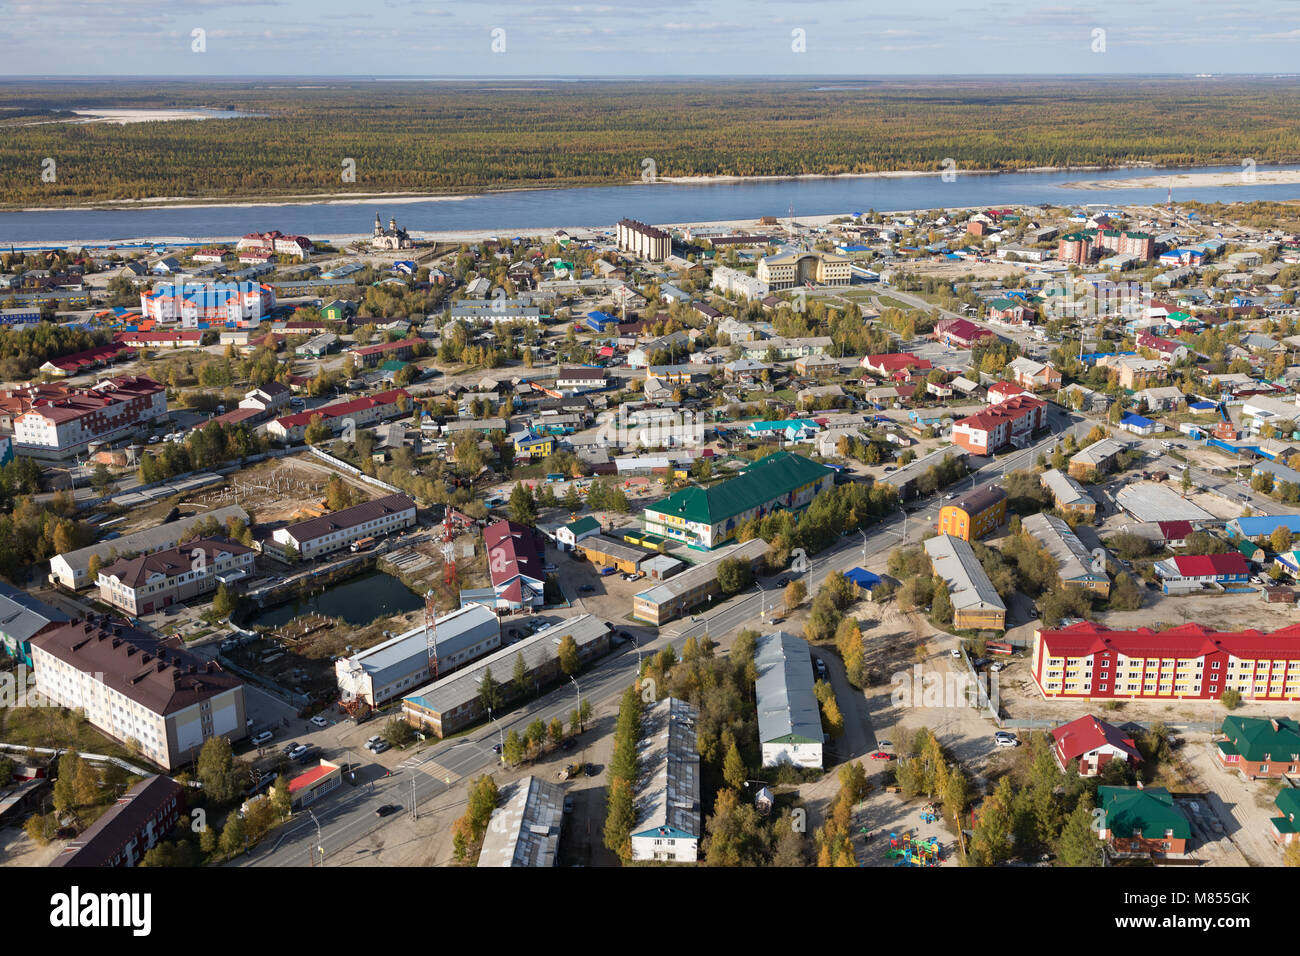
(467, 136)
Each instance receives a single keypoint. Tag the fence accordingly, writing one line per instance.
(354, 472)
(93, 758)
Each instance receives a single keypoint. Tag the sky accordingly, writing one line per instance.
(672, 40)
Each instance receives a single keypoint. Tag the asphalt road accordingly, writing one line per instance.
(348, 815)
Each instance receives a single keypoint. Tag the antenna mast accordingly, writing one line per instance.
(431, 631)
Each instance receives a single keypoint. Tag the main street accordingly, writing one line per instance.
(349, 814)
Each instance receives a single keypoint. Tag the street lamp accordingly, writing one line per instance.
(319, 848)
(574, 682)
(500, 734)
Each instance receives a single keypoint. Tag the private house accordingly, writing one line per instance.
(1093, 743)
(975, 514)
(1035, 376)
(1286, 828)
(895, 366)
(960, 333)
(1142, 821)
(568, 536)
(1257, 747)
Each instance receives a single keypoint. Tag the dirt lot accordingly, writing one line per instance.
(1242, 807)
(277, 490)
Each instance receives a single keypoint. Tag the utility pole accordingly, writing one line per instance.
(319, 847)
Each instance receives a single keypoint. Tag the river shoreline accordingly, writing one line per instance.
(361, 198)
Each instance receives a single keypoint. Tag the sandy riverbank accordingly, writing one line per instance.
(1246, 177)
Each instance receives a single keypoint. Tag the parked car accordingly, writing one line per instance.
(370, 744)
(586, 589)
(881, 755)
(320, 721)
(997, 665)
(955, 652)
(380, 747)
(568, 804)
(261, 738)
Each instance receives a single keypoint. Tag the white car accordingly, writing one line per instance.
(955, 652)
(320, 721)
(370, 744)
(1005, 740)
(262, 738)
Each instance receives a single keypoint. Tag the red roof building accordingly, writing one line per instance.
(886, 365)
(1094, 743)
(360, 411)
(961, 333)
(999, 392)
(1088, 661)
(402, 349)
(59, 426)
(1008, 422)
(515, 564)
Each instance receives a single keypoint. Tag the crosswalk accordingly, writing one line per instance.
(431, 767)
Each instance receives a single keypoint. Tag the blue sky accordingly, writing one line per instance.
(674, 39)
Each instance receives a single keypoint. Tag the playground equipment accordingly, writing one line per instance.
(910, 851)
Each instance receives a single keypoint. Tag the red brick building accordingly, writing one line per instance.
(961, 333)
(1005, 423)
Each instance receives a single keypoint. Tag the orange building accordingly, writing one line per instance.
(975, 515)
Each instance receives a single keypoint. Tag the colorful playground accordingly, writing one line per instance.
(889, 833)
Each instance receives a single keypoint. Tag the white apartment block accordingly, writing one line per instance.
(333, 532)
(149, 582)
(642, 240)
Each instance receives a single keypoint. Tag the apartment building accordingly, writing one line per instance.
(1068, 496)
(1088, 661)
(642, 240)
(1257, 747)
(789, 719)
(727, 280)
(669, 822)
(1010, 422)
(974, 515)
(243, 303)
(1074, 565)
(708, 517)
(975, 601)
(131, 827)
(136, 687)
(59, 426)
(275, 243)
(525, 829)
(335, 531)
(150, 582)
(368, 356)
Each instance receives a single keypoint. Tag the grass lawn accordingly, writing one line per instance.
(57, 727)
(889, 302)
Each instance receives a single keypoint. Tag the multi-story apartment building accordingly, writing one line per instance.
(403, 350)
(133, 825)
(136, 687)
(61, 426)
(1088, 661)
(1006, 423)
(332, 532)
(975, 514)
(800, 267)
(243, 303)
(642, 240)
(148, 582)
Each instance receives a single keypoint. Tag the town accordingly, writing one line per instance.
(936, 538)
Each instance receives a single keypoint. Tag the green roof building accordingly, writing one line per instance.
(1260, 746)
(1286, 828)
(705, 518)
(1143, 820)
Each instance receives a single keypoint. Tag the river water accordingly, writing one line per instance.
(522, 210)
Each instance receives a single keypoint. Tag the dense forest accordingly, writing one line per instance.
(470, 136)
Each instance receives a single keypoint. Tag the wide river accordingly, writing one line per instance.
(522, 210)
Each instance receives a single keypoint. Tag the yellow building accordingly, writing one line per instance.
(799, 267)
(975, 515)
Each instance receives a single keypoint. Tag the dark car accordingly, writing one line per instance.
(568, 744)
(586, 589)
(783, 582)
(496, 749)
(387, 809)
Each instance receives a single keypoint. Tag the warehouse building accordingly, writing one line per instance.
(605, 552)
(692, 587)
(72, 569)
(525, 829)
(707, 517)
(380, 673)
(789, 720)
(975, 601)
(669, 822)
(1074, 564)
(1147, 501)
(451, 703)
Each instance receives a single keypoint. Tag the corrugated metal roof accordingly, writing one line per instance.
(670, 766)
(787, 706)
(525, 830)
(969, 587)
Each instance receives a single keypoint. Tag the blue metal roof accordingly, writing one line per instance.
(863, 578)
(1138, 420)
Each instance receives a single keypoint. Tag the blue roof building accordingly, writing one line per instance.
(1137, 424)
(601, 321)
(1257, 526)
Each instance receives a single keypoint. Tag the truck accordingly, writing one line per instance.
(363, 544)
